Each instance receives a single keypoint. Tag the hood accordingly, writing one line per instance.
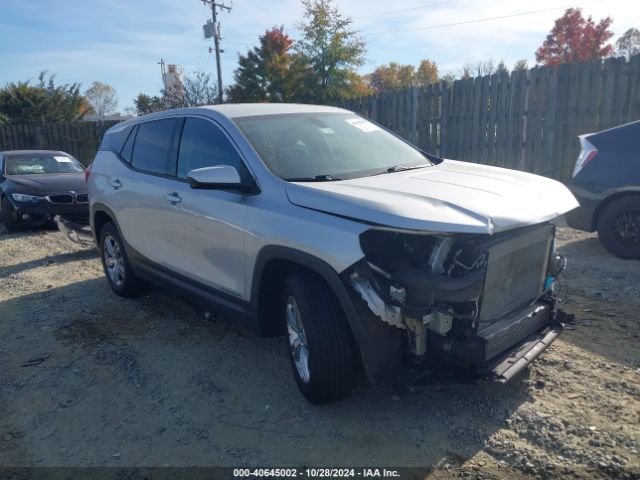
(49, 183)
(455, 197)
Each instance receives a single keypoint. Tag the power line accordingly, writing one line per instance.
(386, 12)
(389, 12)
(531, 12)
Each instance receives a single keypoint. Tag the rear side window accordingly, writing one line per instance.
(127, 150)
(114, 139)
(153, 150)
(204, 145)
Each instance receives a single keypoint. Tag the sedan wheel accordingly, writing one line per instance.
(619, 227)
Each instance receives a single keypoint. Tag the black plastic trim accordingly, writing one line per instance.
(320, 267)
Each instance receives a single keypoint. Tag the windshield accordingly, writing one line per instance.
(38, 163)
(326, 146)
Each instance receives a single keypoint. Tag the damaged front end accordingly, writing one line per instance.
(484, 301)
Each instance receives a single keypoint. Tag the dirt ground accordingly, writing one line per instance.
(90, 379)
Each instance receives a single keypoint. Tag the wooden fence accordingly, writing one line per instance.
(527, 120)
(80, 139)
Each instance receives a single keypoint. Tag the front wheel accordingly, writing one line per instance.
(619, 227)
(9, 217)
(320, 345)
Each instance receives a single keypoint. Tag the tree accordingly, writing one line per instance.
(427, 73)
(501, 68)
(521, 65)
(23, 102)
(145, 104)
(270, 72)
(102, 97)
(395, 75)
(194, 90)
(574, 39)
(479, 68)
(332, 52)
(628, 44)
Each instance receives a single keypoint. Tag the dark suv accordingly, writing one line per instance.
(606, 182)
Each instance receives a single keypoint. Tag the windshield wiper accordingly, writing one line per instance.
(317, 178)
(401, 168)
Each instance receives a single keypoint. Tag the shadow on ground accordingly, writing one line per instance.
(151, 382)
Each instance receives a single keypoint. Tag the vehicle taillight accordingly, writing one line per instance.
(586, 155)
(87, 172)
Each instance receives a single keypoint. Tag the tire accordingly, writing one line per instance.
(619, 227)
(331, 351)
(8, 218)
(116, 265)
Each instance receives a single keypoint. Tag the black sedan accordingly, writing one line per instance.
(37, 185)
(606, 182)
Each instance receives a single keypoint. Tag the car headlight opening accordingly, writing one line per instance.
(22, 197)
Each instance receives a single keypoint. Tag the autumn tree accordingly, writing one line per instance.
(427, 73)
(23, 102)
(331, 50)
(102, 97)
(628, 44)
(394, 75)
(270, 72)
(574, 39)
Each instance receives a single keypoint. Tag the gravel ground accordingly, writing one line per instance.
(90, 379)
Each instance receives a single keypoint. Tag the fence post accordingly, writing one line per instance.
(414, 115)
(39, 137)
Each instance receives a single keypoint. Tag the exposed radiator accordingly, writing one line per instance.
(516, 272)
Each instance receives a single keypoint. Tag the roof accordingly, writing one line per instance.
(31, 152)
(234, 110)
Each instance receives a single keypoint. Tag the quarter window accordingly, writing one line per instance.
(127, 150)
(205, 145)
(153, 150)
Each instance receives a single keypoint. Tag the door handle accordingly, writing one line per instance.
(115, 183)
(173, 198)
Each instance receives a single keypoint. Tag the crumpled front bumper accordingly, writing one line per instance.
(503, 349)
(505, 367)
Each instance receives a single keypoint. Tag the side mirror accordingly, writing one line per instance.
(218, 177)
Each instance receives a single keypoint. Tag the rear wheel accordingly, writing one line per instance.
(9, 217)
(619, 227)
(320, 345)
(116, 265)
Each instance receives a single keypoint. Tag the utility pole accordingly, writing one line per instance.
(213, 30)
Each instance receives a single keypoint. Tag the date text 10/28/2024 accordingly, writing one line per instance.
(315, 473)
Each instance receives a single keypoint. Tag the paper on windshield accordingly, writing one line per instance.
(61, 159)
(362, 125)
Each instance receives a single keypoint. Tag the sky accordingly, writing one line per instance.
(120, 42)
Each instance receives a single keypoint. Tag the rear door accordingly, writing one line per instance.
(204, 230)
(140, 200)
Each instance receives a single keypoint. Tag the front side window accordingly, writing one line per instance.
(153, 149)
(38, 164)
(204, 145)
(308, 146)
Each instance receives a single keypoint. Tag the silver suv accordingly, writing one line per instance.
(316, 223)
